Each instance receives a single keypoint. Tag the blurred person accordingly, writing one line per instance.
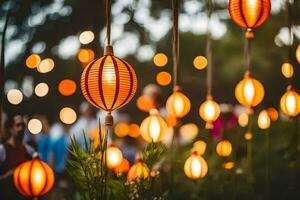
(12, 153)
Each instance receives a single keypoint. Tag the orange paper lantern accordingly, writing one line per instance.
(33, 178)
(138, 171)
(249, 14)
(290, 102)
(224, 148)
(123, 167)
(195, 167)
(209, 111)
(108, 82)
(67, 87)
(178, 104)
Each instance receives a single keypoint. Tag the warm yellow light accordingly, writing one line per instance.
(86, 37)
(134, 130)
(287, 70)
(41, 89)
(290, 102)
(35, 126)
(263, 120)
(46, 65)
(228, 165)
(160, 59)
(114, 157)
(85, 55)
(33, 61)
(163, 78)
(248, 136)
(178, 104)
(209, 111)
(243, 119)
(14, 96)
(199, 147)
(195, 167)
(200, 62)
(273, 114)
(153, 128)
(145, 103)
(67, 115)
(138, 171)
(188, 132)
(224, 148)
(298, 53)
(121, 129)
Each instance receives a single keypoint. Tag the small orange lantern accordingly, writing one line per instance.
(264, 120)
(224, 148)
(195, 167)
(138, 171)
(249, 92)
(287, 70)
(114, 157)
(273, 113)
(123, 167)
(298, 53)
(249, 14)
(178, 104)
(67, 87)
(209, 111)
(290, 102)
(33, 178)
(153, 128)
(108, 82)
(199, 147)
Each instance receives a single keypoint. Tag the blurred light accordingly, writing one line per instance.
(248, 136)
(171, 120)
(298, 53)
(39, 47)
(41, 89)
(160, 59)
(273, 114)
(121, 129)
(200, 62)
(199, 147)
(163, 78)
(35, 126)
(67, 115)
(287, 70)
(224, 148)
(243, 119)
(33, 61)
(27, 86)
(134, 130)
(85, 55)
(67, 87)
(228, 165)
(86, 37)
(263, 120)
(46, 65)
(188, 132)
(114, 157)
(14, 96)
(145, 103)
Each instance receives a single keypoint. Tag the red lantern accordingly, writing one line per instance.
(33, 178)
(249, 14)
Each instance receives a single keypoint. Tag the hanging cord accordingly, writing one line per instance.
(108, 20)
(289, 24)
(209, 49)
(247, 54)
(175, 42)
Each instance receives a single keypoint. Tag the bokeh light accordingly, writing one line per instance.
(14, 96)
(199, 147)
(243, 119)
(163, 78)
(287, 70)
(85, 55)
(248, 136)
(35, 126)
(263, 120)
(273, 113)
(86, 37)
(122, 129)
(67, 87)
(145, 103)
(46, 65)
(134, 130)
(160, 59)
(67, 115)
(298, 53)
(188, 132)
(33, 61)
(228, 165)
(41, 89)
(200, 62)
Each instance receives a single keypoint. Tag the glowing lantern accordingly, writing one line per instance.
(114, 157)
(249, 14)
(85, 55)
(41, 89)
(243, 119)
(33, 61)
(248, 136)
(249, 91)
(172, 121)
(160, 59)
(209, 111)
(290, 102)
(195, 167)
(123, 167)
(121, 129)
(273, 114)
(153, 128)
(228, 165)
(46, 65)
(134, 130)
(200, 62)
(178, 104)
(145, 103)
(298, 54)
(67, 115)
(33, 178)
(86, 37)
(67, 87)
(14, 96)
(264, 120)
(224, 148)
(199, 147)
(163, 78)
(138, 171)
(287, 70)
(35, 126)
(108, 82)
(188, 132)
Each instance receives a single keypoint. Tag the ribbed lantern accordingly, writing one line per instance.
(264, 120)
(138, 171)
(153, 128)
(249, 14)
(287, 70)
(209, 111)
(33, 178)
(224, 148)
(108, 82)
(290, 102)
(249, 92)
(195, 167)
(178, 104)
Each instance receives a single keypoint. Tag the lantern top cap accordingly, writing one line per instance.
(153, 111)
(247, 74)
(35, 155)
(177, 88)
(290, 88)
(108, 51)
(209, 97)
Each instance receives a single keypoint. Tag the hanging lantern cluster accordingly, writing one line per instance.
(195, 167)
(138, 171)
(224, 148)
